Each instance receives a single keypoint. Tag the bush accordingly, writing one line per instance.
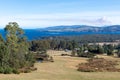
(27, 71)
(85, 69)
(1, 70)
(8, 70)
(15, 71)
(87, 55)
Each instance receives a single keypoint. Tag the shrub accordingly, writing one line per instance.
(87, 55)
(1, 70)
(27, 71)
(8, 70)
(15, 71)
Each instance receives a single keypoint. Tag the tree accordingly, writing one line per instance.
(110, 49)
(53, 44)
(4, 56)
(13, 49)
(100, 49)
(80, 51)
(69, 45)
(83, 52)
(16, 44)
(74, 44)
(62, 44)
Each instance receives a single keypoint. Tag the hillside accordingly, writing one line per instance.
(82, 28)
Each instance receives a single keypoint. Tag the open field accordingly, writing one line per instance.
(64, 68)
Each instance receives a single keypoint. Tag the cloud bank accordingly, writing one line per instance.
(46, 20)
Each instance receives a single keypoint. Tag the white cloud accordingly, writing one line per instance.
(45, 20)
(103, 21)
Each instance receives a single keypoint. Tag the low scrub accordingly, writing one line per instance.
(98, 65)
(87, 55)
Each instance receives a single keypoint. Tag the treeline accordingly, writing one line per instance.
(15, 56)
(38, 45)
(91, 50)
(71, 42)
(91, 38)
(79, 48)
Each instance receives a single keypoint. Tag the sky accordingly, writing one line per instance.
(44, 13)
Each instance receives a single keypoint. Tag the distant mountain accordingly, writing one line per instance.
(82, 28)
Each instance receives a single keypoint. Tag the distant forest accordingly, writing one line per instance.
(70, 42)
(91, 38)
(79, 45)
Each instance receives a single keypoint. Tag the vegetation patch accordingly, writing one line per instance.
(14, 50)
(99, 65)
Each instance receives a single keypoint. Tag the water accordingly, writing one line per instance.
(35, 34)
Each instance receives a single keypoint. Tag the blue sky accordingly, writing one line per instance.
(44, 13)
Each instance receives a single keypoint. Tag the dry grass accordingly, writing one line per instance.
(64, 68)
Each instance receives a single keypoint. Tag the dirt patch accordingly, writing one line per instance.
(99, 65)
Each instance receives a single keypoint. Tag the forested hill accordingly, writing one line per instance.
(82, 28)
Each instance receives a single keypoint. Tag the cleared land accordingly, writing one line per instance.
(64, 68)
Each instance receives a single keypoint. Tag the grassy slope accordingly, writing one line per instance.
(64, 68)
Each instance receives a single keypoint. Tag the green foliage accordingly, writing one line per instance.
(14, 50)
(4, 55)
(94, 38)
(45, 44)
(30, 59)
(15, 71)
(1, 70)
(83, 52)
(8, 70)
(100, 50)
(38, 45)
(109, 49)
(88, 55)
